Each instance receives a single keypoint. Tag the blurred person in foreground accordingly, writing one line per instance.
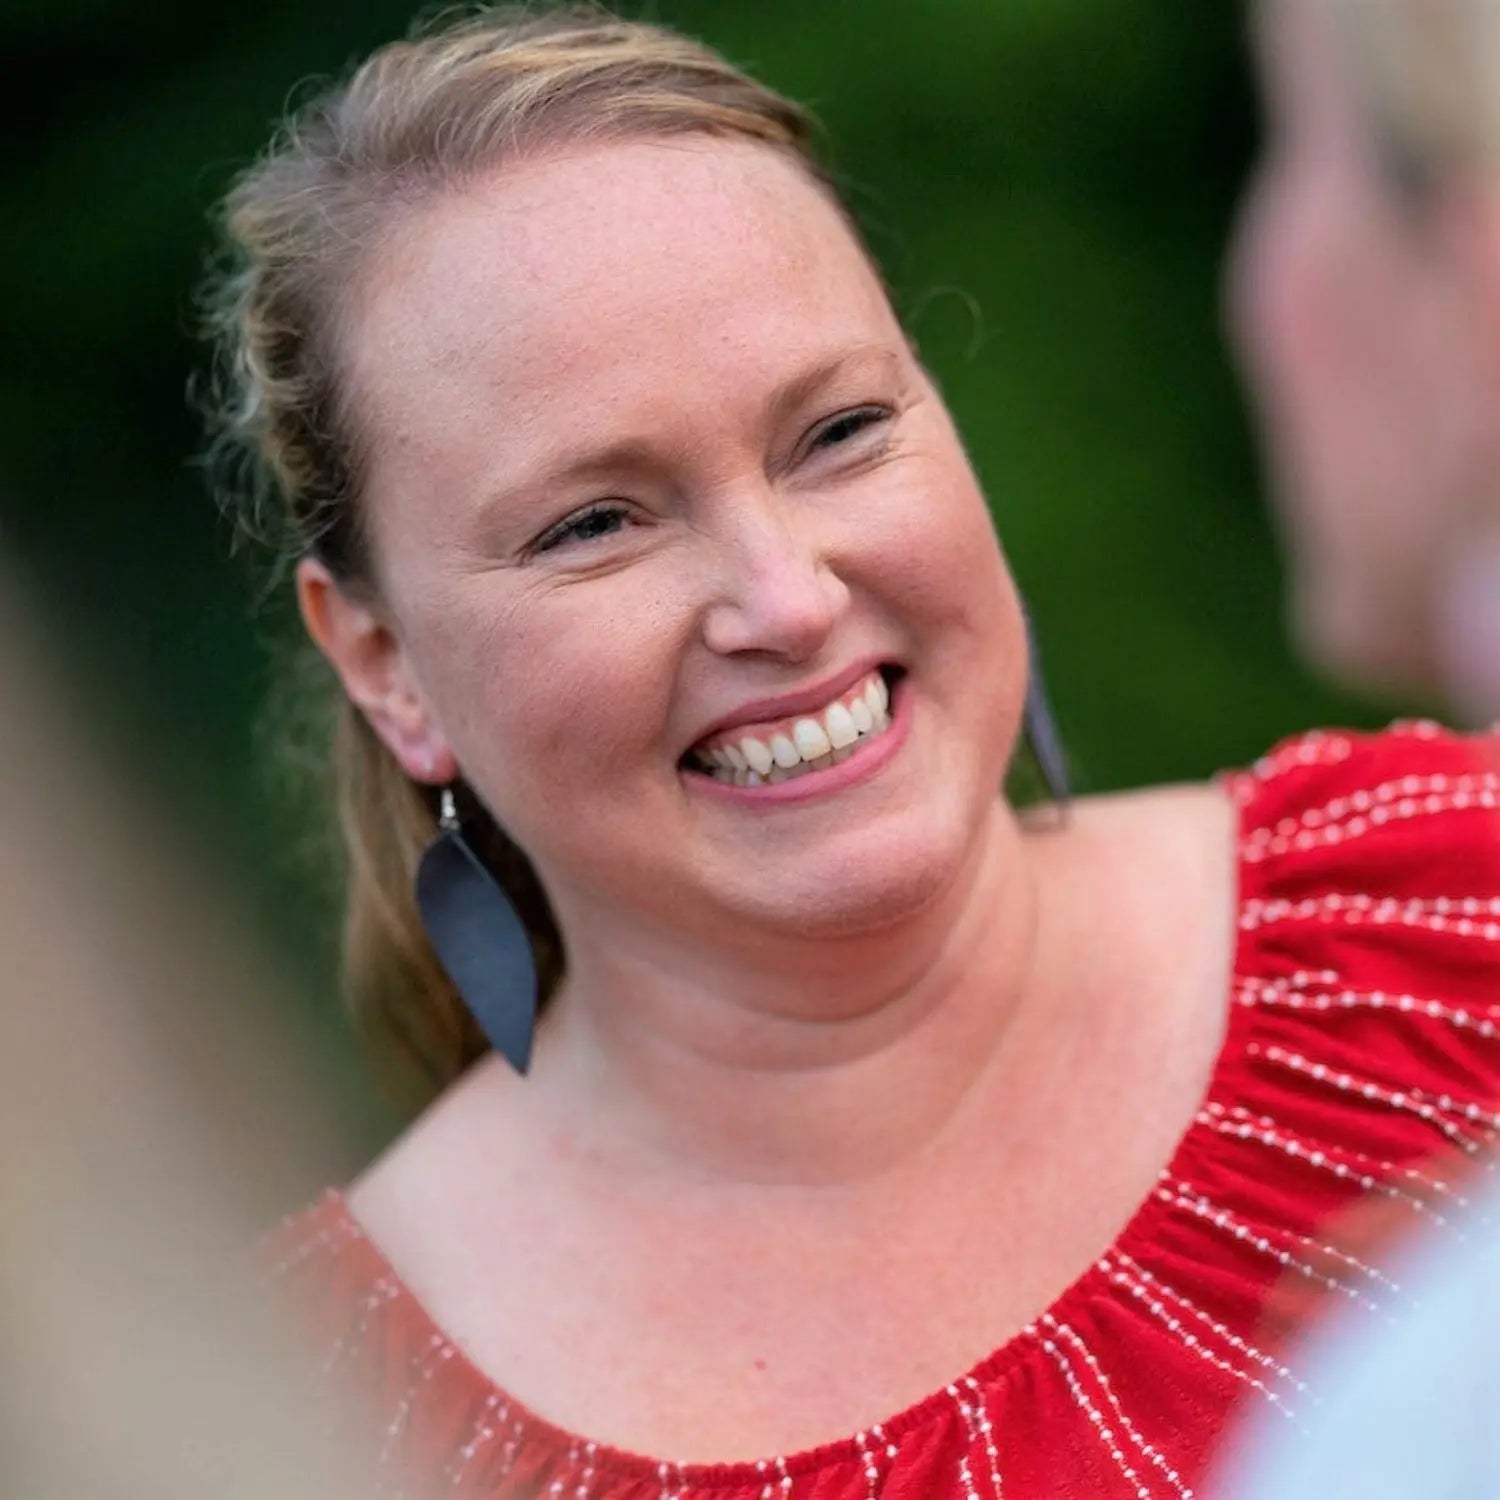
(803, 1121)
(149, 1115)
(1366, 299)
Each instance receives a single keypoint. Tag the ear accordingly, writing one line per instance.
(371, 662)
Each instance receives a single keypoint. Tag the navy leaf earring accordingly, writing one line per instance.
(479, 939)
(1040, 729)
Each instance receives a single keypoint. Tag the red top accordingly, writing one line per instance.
(1362, 1062)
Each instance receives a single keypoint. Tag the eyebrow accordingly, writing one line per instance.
(796, 391)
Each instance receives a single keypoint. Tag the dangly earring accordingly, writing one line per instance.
(1040, 730)
(479, 939)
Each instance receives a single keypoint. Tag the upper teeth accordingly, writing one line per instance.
(797, 742)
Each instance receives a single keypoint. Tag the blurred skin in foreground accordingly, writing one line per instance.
(1364, 300)
(149, 1123)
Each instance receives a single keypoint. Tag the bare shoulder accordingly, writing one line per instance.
(427, 1174)
(1176, 835)
(1144, 891)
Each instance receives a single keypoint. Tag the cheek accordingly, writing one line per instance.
(1284, 271)
(944, 575)
(564, 687)
(1318, 298)
(1322, 281)
(942, 552)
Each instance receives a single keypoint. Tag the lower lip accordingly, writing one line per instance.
(869, 759)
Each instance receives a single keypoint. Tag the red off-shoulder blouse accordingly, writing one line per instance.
(1361, 1064)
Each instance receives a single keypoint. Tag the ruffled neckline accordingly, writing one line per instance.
(1135, 1240)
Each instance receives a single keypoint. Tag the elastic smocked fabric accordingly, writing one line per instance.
(1359, 1079)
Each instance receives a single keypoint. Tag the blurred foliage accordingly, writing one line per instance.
(1050, 184)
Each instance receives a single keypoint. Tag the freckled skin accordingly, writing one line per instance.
(659, 295)
(821, 1081)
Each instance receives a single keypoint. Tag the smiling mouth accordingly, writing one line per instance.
(803, 744)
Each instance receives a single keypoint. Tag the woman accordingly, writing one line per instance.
(632, 527)
(1365, 302)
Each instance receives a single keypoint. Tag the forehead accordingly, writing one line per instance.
(612, 273)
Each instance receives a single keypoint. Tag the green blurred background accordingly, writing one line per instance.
(1050, 184)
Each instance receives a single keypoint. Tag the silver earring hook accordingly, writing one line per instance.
(447, 811)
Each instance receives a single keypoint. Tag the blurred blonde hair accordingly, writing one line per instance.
(420, 116)
(1428, 76)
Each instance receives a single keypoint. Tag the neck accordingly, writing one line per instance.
(794, 1061)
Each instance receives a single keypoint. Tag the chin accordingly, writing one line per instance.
(1350, 640)
(861, 890)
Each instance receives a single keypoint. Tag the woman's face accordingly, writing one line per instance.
(649, 449)
(1355, 347)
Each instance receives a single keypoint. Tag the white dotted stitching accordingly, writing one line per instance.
(437, 1354)
(1239, 1124)
(1133, 1268)
(512, 1444)
(1349, 1154)
(1483, 1020)
(987, 1432)
(1357, 813)
(1352, 1261)
(590, 1452)
(1195, 1345)
(492, 1416)
(1297, 980)
(1182, 1195)
(1460, 915)
(1102, 1429)
(382, 1291)
(867, 1463)
(1407, 1101)
(559, 1484)
(1315, 748)
(1147, 1450)
(329, 1240)
(965, 1470)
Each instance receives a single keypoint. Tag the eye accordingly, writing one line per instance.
(586, 526)
(843, 429)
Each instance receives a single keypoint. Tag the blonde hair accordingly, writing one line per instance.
(463, 97)
(1427, 74)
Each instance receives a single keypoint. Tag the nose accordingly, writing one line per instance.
(777, 592)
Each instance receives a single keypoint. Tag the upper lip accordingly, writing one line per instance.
(818, 695)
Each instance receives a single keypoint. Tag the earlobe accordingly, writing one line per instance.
(367, 655)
